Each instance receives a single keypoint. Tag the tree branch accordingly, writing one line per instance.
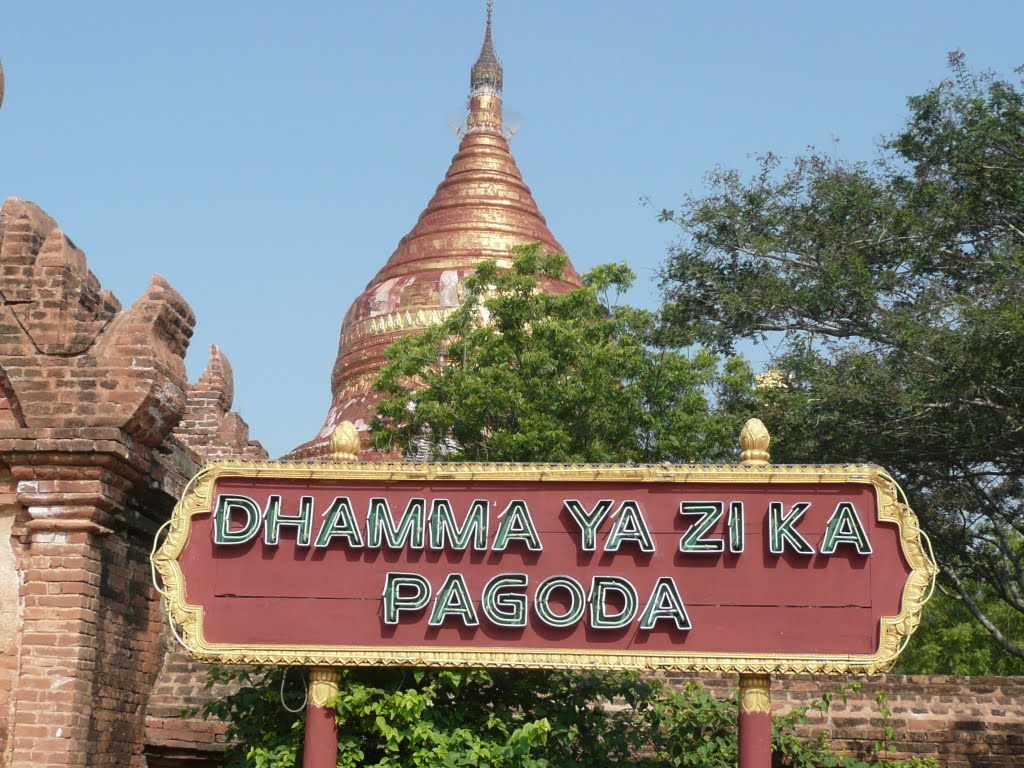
(976, 611)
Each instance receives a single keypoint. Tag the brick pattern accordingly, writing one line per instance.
(209, 426)
(170, 738)
(89, 469)
(90, 647)
(963, 722)
(69, 354)
(60, 592)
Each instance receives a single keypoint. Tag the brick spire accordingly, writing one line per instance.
(480, 210)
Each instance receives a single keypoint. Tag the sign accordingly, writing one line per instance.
(750, 569)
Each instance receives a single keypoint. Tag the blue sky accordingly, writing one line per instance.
(267, 157)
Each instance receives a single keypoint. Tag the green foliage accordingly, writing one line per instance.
(950, 641)
(896, 287)
(392, 718)
(261, 732)
(791, 750)
(413, 718)
(521, 374)
(693, 728)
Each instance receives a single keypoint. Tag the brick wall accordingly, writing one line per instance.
(212, 431)
(170, 738)
(89, 469)
(209, 427)
(964, 722)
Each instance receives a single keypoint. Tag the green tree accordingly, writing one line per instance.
(520, 374)
(897, 287)
(950, 641)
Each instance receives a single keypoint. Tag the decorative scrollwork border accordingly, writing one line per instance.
(894, 630)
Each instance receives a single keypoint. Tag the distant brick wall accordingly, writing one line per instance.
(964, 722)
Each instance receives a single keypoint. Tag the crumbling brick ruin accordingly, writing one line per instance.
(94, 451)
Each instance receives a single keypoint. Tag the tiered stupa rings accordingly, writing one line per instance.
(481, 210)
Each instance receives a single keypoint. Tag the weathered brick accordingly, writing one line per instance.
(89, 395)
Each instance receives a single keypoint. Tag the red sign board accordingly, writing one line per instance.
(729, 568)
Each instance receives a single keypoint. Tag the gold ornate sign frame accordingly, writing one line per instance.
(187, 620)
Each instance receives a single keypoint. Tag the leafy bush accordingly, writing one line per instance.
(411, 718)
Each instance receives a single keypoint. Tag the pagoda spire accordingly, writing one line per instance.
(481, 210)
(485, 81)
(487, 72)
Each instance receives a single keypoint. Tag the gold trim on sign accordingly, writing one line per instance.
(893, 631)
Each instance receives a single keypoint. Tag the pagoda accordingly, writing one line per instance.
(480, 210)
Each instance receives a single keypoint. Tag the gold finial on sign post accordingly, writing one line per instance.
(754, 439)
(345, 442)
(756, 693)
(323, 685)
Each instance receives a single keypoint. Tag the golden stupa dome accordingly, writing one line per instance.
(480, 210)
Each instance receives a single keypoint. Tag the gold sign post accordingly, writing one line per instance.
(754, 721)
(320, 748)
